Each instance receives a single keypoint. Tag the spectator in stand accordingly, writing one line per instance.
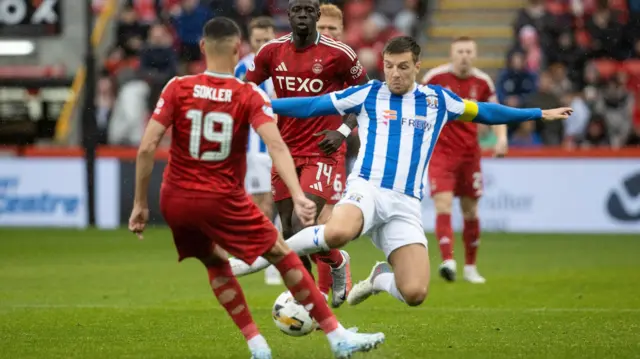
(534, 15)
(404, 15)
(615, 104)
(569, 54)
(242, 11)
(188, 21)
(515, 81)
(575, 126)
(158, 59)
(606, 32)
(529, 45)
(376, 31)
(596, 135)
(551, 132)
(130, 33)
(104, 104)
(561, 83)
(525, 136)
(591, 85)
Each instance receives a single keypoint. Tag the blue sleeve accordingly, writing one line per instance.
(305, 107)
(494, 114)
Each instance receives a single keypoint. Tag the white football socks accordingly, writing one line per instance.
(307, 241)
(386, 282)
(257, 342)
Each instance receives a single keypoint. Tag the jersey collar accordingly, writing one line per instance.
(218, 74)
(315, 43)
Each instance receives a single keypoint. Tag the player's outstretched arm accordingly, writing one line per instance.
(305, 107)
(495, 114)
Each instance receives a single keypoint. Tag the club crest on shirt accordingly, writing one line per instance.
(432, 101)
(356, 197)
(317, 67)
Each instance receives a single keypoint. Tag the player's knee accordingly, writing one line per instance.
(414, 295)
(337, 236)
(443, 202)
(469, 208)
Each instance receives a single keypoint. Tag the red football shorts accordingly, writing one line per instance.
(458, 174)
(201, 221)
(316, 175)
(339, 182)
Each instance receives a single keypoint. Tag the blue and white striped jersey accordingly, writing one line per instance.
(255, 144)
(397, 133)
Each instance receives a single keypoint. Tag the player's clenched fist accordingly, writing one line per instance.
(561, 113)
(138, 220)
(305, 210)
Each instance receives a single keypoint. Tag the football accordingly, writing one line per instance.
(291, 317)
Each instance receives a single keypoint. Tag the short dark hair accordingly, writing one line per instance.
(402, 44)
(262, 22)
(220, 28)
(462, 39)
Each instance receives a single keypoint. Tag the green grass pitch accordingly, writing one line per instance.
(93, 294)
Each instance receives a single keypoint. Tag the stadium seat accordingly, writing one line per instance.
(607, 68)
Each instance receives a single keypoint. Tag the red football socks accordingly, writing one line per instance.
(229, 293)
(324, 274)
(299, 282)
(444, 234)
(471, 235)
(333, 257)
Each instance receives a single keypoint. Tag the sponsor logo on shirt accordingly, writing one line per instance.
(432, 101)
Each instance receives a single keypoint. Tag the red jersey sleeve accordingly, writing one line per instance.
(165, 107)
(258, 71)
(354, 73)
(259, 108)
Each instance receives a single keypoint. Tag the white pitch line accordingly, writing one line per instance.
(399, 309)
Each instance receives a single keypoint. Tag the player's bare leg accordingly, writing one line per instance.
(264, 201)
(443, 202)
(336, 259)
(230, 295)
(406, 279)
(471, 237)
(343, 342)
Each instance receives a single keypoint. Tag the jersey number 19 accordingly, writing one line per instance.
(205, 127)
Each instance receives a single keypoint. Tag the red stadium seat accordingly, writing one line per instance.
(632, 67)
(607, 68)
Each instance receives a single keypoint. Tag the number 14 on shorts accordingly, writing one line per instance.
(323, 177)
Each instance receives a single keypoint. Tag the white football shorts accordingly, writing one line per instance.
(258, 178)
(392, 219)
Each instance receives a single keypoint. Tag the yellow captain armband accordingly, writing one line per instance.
(470, 111)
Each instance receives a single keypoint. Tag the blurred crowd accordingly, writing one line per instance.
(579, 53)
(158, 39)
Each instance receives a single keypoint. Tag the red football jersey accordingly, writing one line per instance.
(459, 136)
(210, 114)
(323, 67)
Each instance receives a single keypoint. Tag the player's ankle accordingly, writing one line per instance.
(257, 342)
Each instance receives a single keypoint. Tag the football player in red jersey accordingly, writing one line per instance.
(305, 63)
(203, 198)
(454, 170)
